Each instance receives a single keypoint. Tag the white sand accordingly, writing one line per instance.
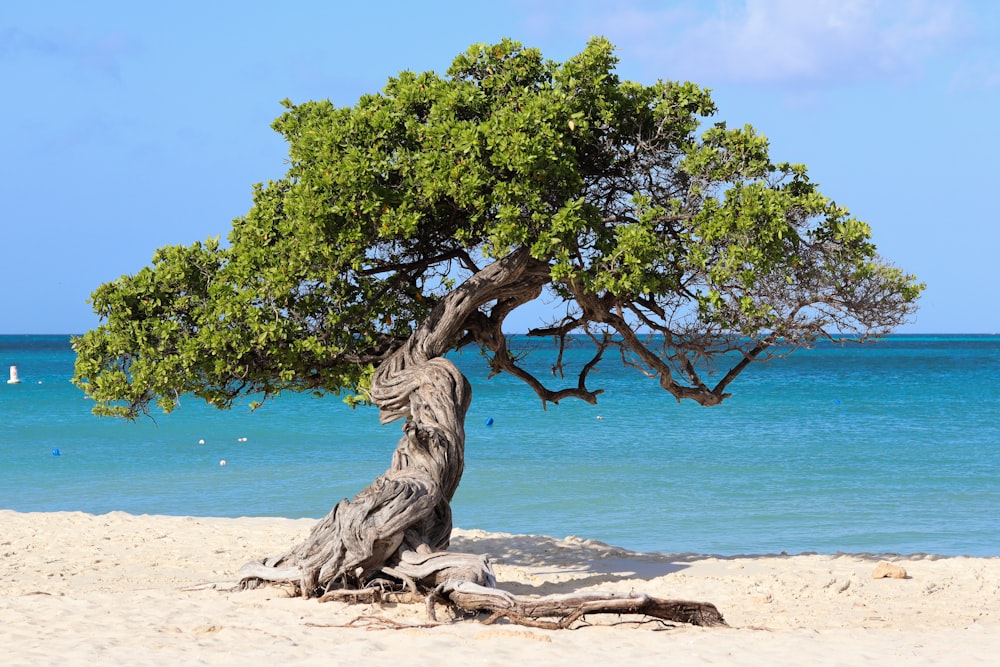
(117, 589)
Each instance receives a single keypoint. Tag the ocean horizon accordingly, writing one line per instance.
(892, 446)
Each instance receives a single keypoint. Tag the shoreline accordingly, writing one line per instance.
(156, 589)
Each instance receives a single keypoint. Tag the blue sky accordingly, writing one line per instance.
(130, 125)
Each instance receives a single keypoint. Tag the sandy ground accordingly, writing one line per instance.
(118, 589)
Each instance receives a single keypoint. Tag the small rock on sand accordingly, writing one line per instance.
(887, 570)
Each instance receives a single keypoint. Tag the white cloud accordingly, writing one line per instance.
(818, 42)
(787, 43)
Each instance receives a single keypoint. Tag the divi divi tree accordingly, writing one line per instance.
(414, 222)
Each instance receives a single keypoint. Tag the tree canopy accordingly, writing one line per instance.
(442, 203)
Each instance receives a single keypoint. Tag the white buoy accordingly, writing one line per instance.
(201, 442)
(222, 462)
(13, 376)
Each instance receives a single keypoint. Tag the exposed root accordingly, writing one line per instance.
(466, 584)
(374, 623)
(371, 596)
(565, 610)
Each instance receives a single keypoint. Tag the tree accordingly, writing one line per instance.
(413, 223)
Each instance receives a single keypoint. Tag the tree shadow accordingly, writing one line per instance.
(567, 564)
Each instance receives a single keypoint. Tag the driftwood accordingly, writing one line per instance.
(395, 532)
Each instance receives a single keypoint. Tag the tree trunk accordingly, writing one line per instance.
(399, 527)
(406, 510)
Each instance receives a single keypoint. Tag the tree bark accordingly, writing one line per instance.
(399, 527)
(407, 509)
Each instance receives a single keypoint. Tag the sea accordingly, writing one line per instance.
(886, 447)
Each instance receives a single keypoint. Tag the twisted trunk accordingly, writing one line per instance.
(399, 527)
(404, 516)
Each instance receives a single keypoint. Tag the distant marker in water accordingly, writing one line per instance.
(241, 439)
(201, 442)
(13, 376)
(222, 462)
(56, 452)
(489, 421)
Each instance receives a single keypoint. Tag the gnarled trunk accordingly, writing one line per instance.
(405, 514)
(399, 527)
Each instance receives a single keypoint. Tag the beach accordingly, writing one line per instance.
(121, 589)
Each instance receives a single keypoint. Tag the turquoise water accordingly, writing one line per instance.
(891, 447)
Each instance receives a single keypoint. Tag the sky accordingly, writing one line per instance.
(128, 125)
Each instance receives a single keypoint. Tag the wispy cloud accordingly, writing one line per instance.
(102, 54)
(980, 73)
(821, 42)
(80, 132)
(784, 43)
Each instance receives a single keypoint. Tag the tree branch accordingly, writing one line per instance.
(421, 264)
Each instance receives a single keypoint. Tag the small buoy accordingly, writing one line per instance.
(241, 439)
(599, 417)
(489, 421)
(201, 442)
(56, 452)
(222, 462)
(13, 376)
